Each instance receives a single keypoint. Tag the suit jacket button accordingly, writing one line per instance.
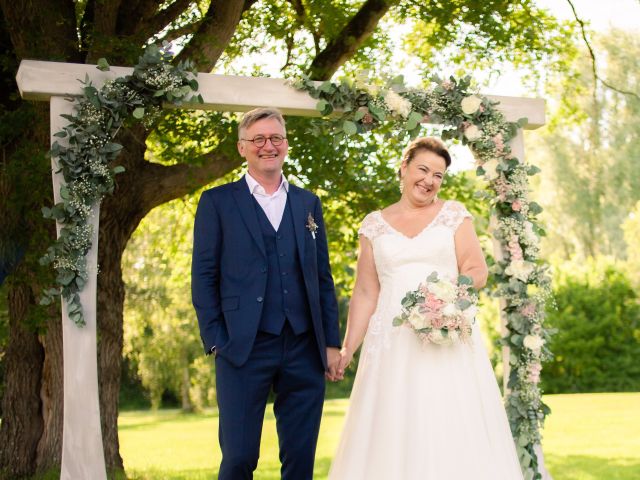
(259, 299)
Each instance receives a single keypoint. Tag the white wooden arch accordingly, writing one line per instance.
(82, 450)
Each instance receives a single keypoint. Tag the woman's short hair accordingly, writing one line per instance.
(252, 116)
(428, 144)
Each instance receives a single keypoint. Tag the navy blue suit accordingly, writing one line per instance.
(266, 300)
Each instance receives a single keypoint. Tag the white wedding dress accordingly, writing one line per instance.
(421, 411)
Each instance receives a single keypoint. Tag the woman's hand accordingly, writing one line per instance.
(346, 356)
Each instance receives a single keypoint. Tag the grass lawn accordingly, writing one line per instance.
(587, 437)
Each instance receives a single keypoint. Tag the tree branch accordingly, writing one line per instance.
(147, 25)
(182, 31)
(214, 33)
(594, 68)
(105, 19)
(352, 36)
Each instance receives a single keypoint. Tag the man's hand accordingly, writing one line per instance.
(333, 360)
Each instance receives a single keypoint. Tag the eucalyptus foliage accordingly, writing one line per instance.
(86, 159)
(520, 278)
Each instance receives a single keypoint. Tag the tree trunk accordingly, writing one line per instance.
(22, 424)
(187, 406)
(52, 397)
(110, 332)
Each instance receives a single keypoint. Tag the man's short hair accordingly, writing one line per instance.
(252, 116)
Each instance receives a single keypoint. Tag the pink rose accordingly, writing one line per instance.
(516, 205)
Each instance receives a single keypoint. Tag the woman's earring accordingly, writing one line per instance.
(401, 186)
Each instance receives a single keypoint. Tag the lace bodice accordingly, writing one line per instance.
(402, 262)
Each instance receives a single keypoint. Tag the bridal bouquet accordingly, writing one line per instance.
(440, 311)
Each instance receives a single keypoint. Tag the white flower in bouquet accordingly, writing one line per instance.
(491, 169)
(469, 313)
(445, 291)
(418, 319)
(397, 104)
(470, 104)
(520, 269)
(437, 310)
(533, 343)
(472, 132)
(436, 336)
(453, 336)
(451, 310)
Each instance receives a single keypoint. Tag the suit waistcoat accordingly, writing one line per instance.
(285, 297)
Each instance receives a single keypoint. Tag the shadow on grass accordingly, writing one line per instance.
(582, 467)
(269, 471)
(151, 418)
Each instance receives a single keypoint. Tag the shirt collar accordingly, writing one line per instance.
(255, 187)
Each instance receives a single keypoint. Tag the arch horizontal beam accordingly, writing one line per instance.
(39, 80)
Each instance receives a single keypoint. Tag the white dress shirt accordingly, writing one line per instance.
(272, 205)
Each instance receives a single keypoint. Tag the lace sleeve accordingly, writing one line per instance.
(372, 226)
(454, 214)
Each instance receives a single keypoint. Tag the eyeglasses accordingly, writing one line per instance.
(260, 141)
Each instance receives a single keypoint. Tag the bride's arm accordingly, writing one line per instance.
(363, 303)
(469, 254)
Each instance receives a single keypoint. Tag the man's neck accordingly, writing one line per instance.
(270, 183)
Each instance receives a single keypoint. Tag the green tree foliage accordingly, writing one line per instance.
(590, 152)
(631, 229)
(597, 320)
(282, 38)
(159, 335)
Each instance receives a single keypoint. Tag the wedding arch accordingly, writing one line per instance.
(491, 126)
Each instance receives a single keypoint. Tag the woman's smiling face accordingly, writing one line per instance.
(422, 176)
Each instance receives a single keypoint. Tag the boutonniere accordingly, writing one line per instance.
(312, 225)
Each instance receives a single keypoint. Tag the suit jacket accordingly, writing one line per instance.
(229, 262)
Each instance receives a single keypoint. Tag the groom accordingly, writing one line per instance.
(265, 300)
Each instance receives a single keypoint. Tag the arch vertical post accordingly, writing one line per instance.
(82, 450)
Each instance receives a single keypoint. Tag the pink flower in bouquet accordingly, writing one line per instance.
(516, 206)
(440, 311)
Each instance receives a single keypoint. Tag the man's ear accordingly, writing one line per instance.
(240, 146)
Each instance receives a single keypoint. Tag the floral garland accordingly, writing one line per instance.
(86, 163)
(521, 278)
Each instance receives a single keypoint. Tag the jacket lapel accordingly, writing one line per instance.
(299, 217)
(247, 209)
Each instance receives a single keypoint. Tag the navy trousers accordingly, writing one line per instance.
(290, 365)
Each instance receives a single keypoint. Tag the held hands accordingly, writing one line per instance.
(333, 360)
(339, 361)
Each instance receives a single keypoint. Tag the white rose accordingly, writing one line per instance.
(490, 169)
(472, 132)
(417, 319)
(529, 234)
(453, 336)
(444, 291)
(533, 342)
(470, 104)
(520, 269)
(470, 313)
(372, 90)
(435, 336)
(451, 310)
(397, 104)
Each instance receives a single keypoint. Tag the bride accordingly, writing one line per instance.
(419, 411)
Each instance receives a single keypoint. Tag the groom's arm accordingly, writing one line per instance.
(328, 302)
(205, 270)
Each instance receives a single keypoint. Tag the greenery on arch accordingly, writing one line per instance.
(86, 159)
(520, 278)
